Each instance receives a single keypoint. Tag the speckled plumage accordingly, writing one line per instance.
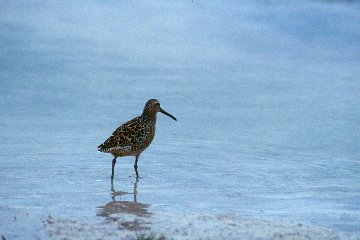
(134, 136)
(131, 138)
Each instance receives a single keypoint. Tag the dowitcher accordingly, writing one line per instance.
(134, 136)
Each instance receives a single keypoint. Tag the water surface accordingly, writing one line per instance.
(266, 95)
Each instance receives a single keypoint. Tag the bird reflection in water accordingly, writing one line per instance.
(119, 210)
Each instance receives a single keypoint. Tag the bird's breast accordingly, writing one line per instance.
(144, 138)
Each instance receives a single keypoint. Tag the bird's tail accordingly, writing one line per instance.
(102, 148)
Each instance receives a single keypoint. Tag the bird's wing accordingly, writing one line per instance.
(121, 137)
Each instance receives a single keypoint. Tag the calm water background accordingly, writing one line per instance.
(266, 94)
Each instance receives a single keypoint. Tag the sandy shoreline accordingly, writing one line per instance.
(196, 226)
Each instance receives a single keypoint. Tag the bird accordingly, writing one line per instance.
(134, 136)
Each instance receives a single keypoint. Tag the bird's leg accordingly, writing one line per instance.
(135, 165)
(112, 169)
(135, 189)
(112, 185)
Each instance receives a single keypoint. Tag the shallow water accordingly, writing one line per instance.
(266, 95)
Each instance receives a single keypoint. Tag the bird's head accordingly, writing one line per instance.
(152, 107)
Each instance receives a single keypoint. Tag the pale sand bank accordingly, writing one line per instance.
(183, 227)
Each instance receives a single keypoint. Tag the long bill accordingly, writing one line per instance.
(167, 114)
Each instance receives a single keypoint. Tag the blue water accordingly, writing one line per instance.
(266, 95)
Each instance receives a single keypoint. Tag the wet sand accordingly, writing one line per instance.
(183, 227)
(131, 219)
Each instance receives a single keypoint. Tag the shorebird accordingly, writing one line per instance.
(134, 136)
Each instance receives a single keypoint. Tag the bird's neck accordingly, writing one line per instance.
(151, 116)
